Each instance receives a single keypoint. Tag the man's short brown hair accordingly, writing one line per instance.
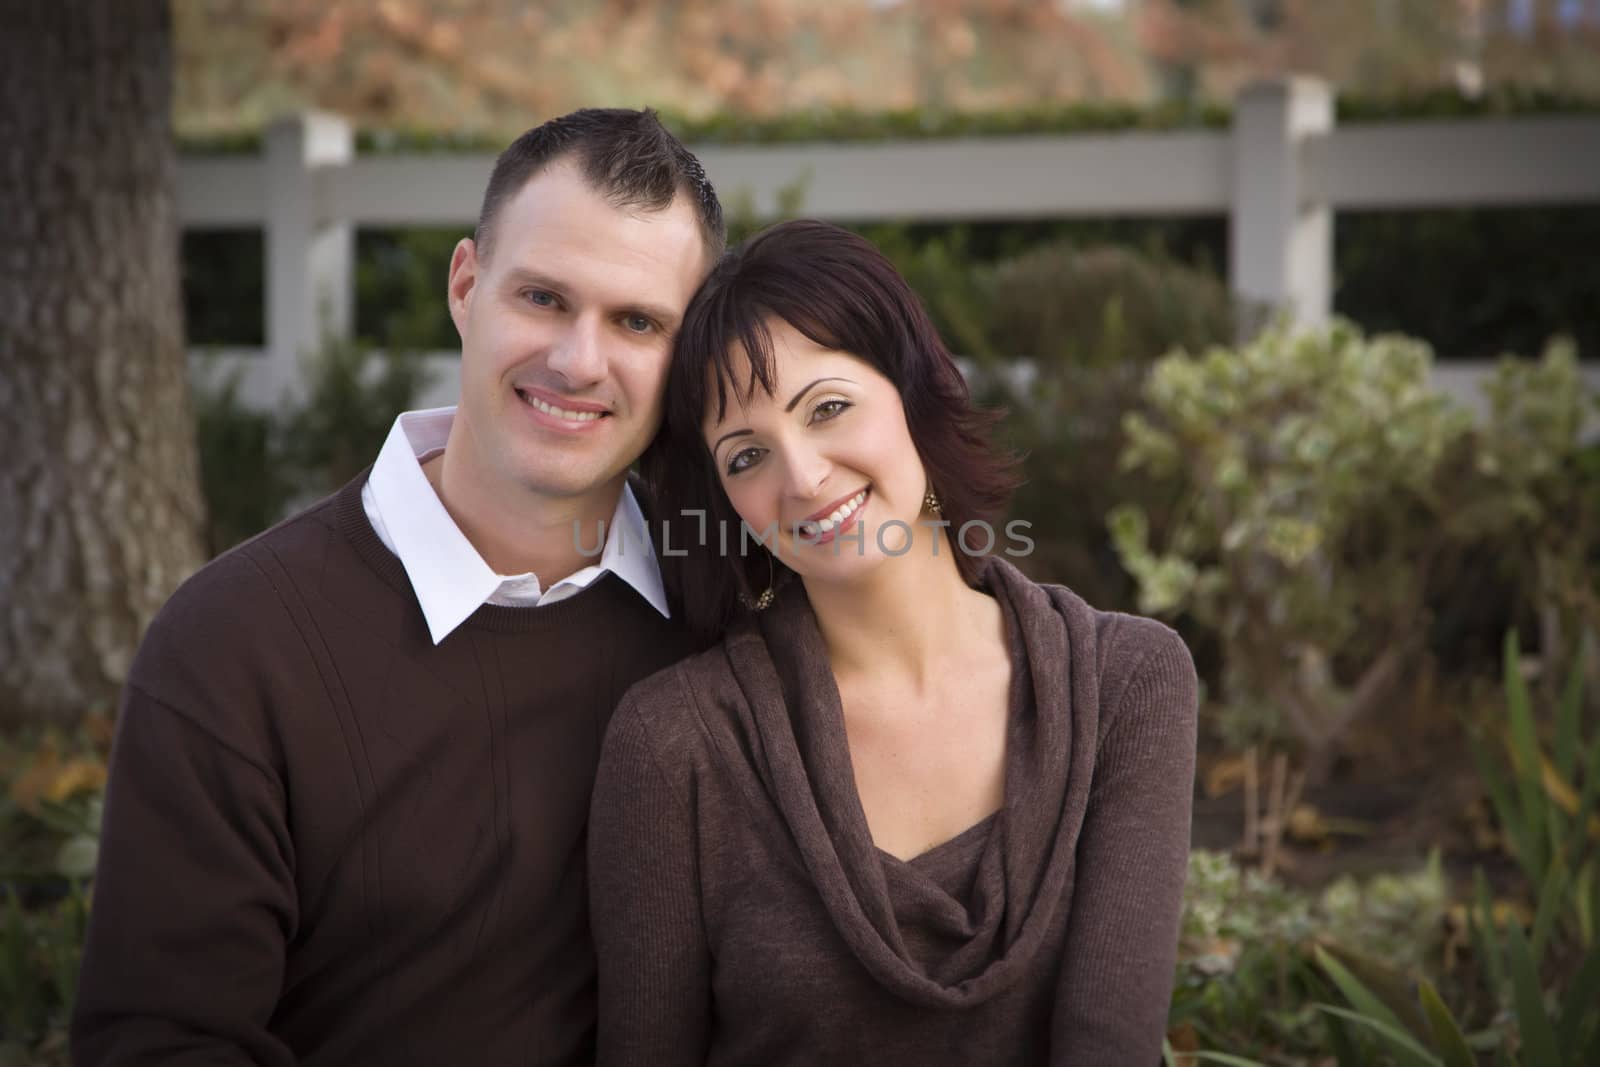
(626, 156)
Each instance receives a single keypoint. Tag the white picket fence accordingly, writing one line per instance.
(1280, 174)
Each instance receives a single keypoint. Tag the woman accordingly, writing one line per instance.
(914, 808)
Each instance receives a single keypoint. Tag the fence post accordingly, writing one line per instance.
(310, 259)
(1280, 226)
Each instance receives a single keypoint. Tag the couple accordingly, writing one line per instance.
(413, 778)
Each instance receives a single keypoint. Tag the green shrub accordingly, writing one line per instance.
(1327, 491)
(1312, 512)
(51, 790)
(1546, 802)
(243, 476)
(1544, 484)
(1247, 980)
(1091, 320)
(256, 464)
(40, 951)
(1065, 306)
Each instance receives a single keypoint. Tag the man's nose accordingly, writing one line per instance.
(578, 356)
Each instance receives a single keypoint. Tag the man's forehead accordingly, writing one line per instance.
(558, 207)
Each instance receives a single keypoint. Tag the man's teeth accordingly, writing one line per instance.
(563, 413)
(841, 513)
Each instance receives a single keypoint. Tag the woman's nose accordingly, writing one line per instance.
(806, 471)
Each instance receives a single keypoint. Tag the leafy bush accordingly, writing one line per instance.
(850, 125)
(245, 482)
(1247, 978)
(255, 465)
(51, 790)
(1547, 804)
(1091, 320)
(1328, 490)
(1544, 484)
(1312, 512)
(1065, 306)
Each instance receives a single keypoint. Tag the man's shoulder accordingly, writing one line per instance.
(242, 607)
(297, 545)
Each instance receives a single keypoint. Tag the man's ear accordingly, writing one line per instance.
(463, 282)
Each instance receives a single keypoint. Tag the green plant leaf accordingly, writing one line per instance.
(1406, 1048)
(1533, 1022)
(1579, 835)
(1339, 1040)
(1586, 900)
(1578, 1006)
(1505, 807)
(1355, 992)
(1568, 712)
(1526, 756)
(1552, 901)
(1224, 1057)
(1447, 1036)
(1484, 937)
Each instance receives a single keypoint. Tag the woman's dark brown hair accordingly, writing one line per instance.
(843, 294)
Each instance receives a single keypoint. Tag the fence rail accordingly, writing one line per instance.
(1279, 174)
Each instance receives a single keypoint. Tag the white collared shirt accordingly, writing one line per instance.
(450, 578)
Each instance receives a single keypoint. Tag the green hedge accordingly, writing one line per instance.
(848, 125)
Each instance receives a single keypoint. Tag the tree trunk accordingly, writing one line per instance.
(100, 507)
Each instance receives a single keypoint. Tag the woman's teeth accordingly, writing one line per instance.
(562, 413)
(840, 514)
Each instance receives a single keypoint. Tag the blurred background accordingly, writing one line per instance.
(1292, 305)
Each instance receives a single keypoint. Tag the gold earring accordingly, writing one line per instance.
(764, 601)
(930, 501)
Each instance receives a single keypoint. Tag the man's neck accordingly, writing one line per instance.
(519, 532)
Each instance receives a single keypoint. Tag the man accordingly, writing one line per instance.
(345, 820)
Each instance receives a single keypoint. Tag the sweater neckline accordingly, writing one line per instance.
(353, 523)
(780, 663)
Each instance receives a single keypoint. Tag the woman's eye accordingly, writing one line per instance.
(829, 409)
(638, 324)
(743, 459)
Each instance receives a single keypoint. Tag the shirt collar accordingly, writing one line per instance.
(450, 579)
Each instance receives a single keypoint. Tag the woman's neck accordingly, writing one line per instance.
(907, 619)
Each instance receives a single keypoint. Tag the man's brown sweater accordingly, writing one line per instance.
(742, 914)
(329, 841)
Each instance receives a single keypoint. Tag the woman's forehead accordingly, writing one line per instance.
(791, 354)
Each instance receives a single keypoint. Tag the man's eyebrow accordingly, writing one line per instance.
(662, 314)
(801, 394)
(724, 437)
(524, 276)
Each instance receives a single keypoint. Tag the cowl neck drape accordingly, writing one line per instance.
(880, 906)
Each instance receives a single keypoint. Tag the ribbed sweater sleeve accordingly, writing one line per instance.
(1116, 980)
(194, 902)
(655, 967)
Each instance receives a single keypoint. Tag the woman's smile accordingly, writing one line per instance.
(828, 523)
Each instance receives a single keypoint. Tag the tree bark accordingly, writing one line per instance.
(100, 507)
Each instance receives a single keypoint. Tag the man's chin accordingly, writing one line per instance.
(571, 483)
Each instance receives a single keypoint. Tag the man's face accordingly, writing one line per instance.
(566, 331)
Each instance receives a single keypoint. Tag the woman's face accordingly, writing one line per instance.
(826, 461)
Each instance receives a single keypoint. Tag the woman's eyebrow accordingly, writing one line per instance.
(733, 433)
(801, 394)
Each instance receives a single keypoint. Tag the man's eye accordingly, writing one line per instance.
(743, 460)
(638, 324)
(829, 409)
(539, 297)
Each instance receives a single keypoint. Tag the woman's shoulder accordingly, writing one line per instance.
(1130, 651)
(665, 712)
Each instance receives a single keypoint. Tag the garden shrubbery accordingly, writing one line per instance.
(1328, 493)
